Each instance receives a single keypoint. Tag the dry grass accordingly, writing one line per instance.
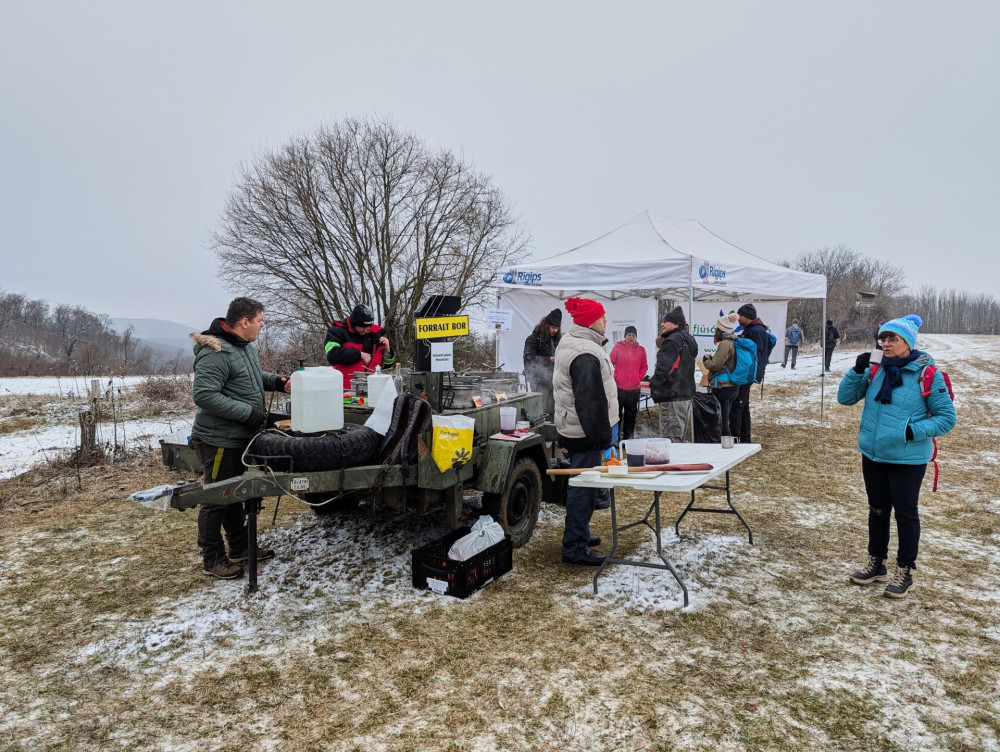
(776, 652)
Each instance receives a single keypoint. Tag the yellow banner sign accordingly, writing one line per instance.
(443, 326)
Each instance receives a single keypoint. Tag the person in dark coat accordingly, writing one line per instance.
(753, 329)
(831, 337)
(540, 357)
(673, 382)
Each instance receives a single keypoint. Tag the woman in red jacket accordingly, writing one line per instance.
(629, 360)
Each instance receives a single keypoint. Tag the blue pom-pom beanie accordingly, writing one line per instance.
(906, 327)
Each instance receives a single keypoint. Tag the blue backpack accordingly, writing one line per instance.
(769, 344)
(794, 334)
(745, 371)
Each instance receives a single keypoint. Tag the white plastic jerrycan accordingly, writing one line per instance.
(317, 400)
(377, 382)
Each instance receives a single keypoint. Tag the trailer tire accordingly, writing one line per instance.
(516, 509)
(350, 446)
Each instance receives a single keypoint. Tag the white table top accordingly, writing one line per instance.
(680, 454)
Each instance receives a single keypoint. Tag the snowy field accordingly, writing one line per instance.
(56, 404)
(337, 576)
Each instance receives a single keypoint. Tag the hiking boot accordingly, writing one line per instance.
(224, 569)
(263, 554)
(902, 582)
(873, 571)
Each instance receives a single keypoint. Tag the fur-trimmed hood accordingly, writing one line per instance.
(215, 336)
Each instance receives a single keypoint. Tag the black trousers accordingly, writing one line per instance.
(829, 355)
(726, 395)
(893, 487)
(628, 409)
(739, 414)
(220, 463)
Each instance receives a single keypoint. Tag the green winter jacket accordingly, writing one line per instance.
(228, 384)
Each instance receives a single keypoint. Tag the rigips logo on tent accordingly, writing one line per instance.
(514, 277)
(712, 273)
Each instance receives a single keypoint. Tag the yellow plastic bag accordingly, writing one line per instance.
(451, 440)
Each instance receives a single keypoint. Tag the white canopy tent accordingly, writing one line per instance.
(633, 266)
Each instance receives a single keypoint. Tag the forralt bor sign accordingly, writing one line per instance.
(442, 326)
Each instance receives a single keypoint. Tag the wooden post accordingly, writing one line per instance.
(88, 437)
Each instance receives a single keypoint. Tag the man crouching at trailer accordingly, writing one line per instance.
(357, 344)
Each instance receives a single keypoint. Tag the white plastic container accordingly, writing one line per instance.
(377, 382)
(317, 400)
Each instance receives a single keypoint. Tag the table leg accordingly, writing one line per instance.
(729, 501)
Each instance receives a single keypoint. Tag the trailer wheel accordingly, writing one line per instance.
(516, 509)
(350, 446)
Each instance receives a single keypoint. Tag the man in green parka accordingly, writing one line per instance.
(229, 388)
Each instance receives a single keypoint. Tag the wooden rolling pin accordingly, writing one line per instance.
(646, 469)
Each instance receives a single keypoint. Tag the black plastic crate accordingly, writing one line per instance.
(460, 578)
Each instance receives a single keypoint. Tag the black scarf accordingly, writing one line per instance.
(893, 376)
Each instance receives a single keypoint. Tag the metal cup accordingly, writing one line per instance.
(728, 442)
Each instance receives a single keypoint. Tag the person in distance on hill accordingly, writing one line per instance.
(586, 417)
(228, 389)
(672, 384)
(895, 439)
(540, 356)
(755, 330)
(629, 359)
(357, 344)
(831, 337)
(793, 338)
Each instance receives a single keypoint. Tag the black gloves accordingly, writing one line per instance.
(256, 418)
(863, 361)
(909, 433)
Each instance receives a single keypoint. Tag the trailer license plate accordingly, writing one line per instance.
(300, 484)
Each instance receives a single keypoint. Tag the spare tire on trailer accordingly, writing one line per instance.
(350, 446)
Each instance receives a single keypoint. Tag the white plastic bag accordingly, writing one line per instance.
(486, 532)
(381, 416)
(157, 498)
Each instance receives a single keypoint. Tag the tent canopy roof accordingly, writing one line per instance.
(656, 257)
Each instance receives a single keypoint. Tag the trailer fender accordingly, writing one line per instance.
(499, 458)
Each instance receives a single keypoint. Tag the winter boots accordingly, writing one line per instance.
(873, 571)
(901, 583)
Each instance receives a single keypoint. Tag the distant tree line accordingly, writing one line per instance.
(849, 272)
(39, 340)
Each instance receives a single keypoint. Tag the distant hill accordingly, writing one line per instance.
(167, 339)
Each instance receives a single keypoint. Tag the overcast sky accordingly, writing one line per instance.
(781, 126)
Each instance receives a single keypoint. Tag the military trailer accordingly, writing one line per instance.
(509, 473)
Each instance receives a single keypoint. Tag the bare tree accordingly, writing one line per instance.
(362, 212)
(848, 272)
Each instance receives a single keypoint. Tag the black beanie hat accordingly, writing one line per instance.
(675, 316)
(554, 317)
(362, 316)
(748, 310)
(631, 330)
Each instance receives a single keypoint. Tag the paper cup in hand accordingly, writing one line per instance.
(876, 357)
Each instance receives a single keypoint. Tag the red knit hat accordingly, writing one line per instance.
(584, 311)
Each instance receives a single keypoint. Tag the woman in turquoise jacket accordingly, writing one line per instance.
(898, 425)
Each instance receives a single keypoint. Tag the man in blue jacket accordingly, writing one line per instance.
(755, 330)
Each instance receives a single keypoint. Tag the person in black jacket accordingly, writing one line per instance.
(540, 355)
(831, 337)
(673, 382)
(755, 330)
